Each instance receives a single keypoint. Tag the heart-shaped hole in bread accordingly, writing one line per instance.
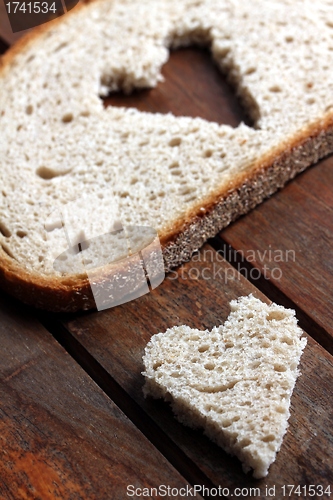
(192, 86)
(185, 177)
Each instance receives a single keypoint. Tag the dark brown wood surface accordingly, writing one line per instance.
(290, 239)
(61, 436)
(74, 423)
(200, 297)
(193, 86)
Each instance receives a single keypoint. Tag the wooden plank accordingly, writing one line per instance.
(116, 337)
(192, 86)
(60, 435)
(199, 297)
(289, 239)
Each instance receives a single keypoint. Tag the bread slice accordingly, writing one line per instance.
(235, 381)
(184, 177)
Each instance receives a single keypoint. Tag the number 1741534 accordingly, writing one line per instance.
(31, 7)
(311, 490)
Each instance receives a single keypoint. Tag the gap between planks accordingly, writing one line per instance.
(115, 339)
(129, 406)
(61, 435)
(3, 46)
(177, 458)
(268, 288)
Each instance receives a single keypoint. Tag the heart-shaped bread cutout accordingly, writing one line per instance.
(235, 381)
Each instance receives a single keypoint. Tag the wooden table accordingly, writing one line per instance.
(74, 423)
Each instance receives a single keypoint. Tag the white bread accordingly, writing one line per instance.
(184, 177)
(235, 381)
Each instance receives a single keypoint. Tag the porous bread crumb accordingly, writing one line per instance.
(61, 150)
(234, 381)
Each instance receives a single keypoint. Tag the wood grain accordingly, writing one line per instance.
(61, 437)
(199, 297)
(290, 239)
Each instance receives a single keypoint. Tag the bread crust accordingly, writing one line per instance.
(73, 293)
(247, 190)
(184, 236)
(31, 37)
